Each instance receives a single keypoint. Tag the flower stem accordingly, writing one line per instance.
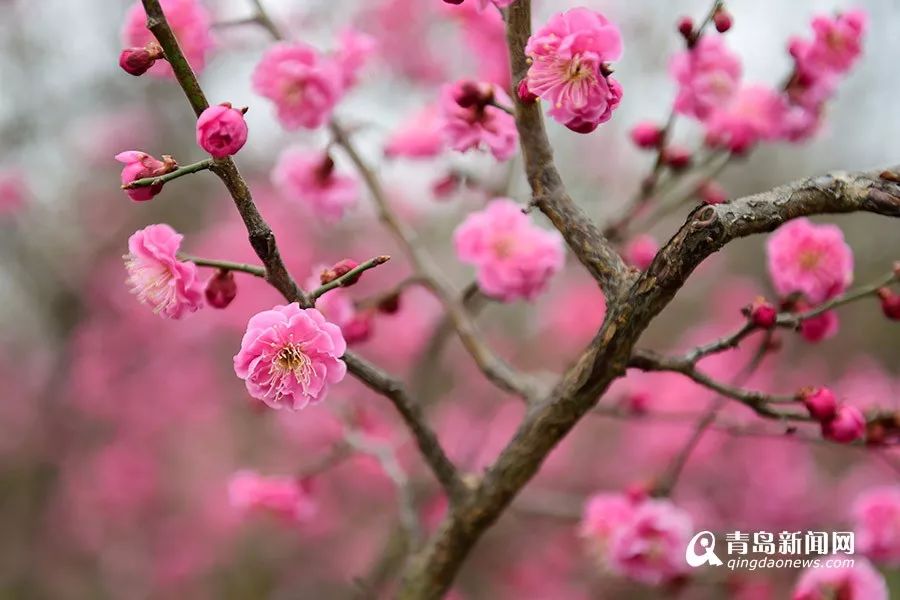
(179, 172)
(225, 265)
(349, 276)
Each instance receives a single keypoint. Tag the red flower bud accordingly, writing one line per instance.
(722, 19)
(389, 305)
(221, 289)
(677, 157)
(525, 94)
(646, 135)
(820, 402)
(686, 28)
(358, 329)
(890, 304)
(762, 313)
(848, 425)
(137, 61)
(339, 269)
(712, 193)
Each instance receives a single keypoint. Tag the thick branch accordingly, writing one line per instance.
(548, 192)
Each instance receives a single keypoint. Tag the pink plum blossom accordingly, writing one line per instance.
(810, 259)
(836, 44)
(353, 52)
(469, 119)
(708, 76)
(649, 547)
(191, 23)
(221, 130)
(139, 165)
(513, 258)
(646, 134)
(290, 356)
(303, 84)
(484, 36)
(821, 327)
(283, 497)
(172, 288)
(311, 178)
(418, 137)
(753, 113)
(568, 68)
(876, 516)
(603, 514)
(847, 425)
(859, 582)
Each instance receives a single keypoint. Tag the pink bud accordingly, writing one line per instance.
(646, 135)
(140, 165)
(221, 130)
(686, 28)
(677, 157)
(221, 289)
(820, 402)
(525, 94)
(358, 328)
(821, 327)
(890, 304)
(763, 314)
(722, 19)
(389, 305)
(848, 425)
(340, 269)
(712, 193)
(137, 61)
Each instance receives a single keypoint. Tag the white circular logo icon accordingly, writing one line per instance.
(707, 557)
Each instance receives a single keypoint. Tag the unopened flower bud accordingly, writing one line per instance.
(390, 304)
(762, 313)
(646, 135)
(137, 61)
(339, 269)
(722, 20)
(848, 425)
(525, 94)
(820, 402)
(358, 329)
(890, 304)
(222, 130)
(686, 28)
(677, 157)
(221, 289)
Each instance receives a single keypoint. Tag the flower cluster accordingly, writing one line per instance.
(170, 286)
(638, 538)
(305, 84)
(311, 178)
(840, 422)
(290, 356)
(514, 258)
(471, 118)
(569, 68)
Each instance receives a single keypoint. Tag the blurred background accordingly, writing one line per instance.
(119, 430)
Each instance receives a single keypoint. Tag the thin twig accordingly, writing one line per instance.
(225, 265)
(789, 319)
(350, 276)
(202, 165)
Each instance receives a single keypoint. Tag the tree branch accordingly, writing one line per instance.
(349, 276)
(179, 172)
(548, 191)
(225, 265)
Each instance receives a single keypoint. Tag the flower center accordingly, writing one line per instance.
(576, 71)
(292, 360)
(151, 282)
(503, 246)
(809, 260)
(293, 92)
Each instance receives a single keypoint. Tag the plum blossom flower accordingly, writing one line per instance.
(283, 497)
(469, 118)
(603, 514)
(484, 35)
(191, 23)
(418, 137)
(304, 84)
(139, 165)
(312, 179)
(172, 288)
(221, 130)
(513, 258)
(847, 425)
(568, 69)
(708, 75)
(641, 251)
(753, 113)
(813, 260)
(821, 327)
(290, 356)
(859, 582)
(354, 50)
(876, 515)
(836, 44)
(649, 547)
